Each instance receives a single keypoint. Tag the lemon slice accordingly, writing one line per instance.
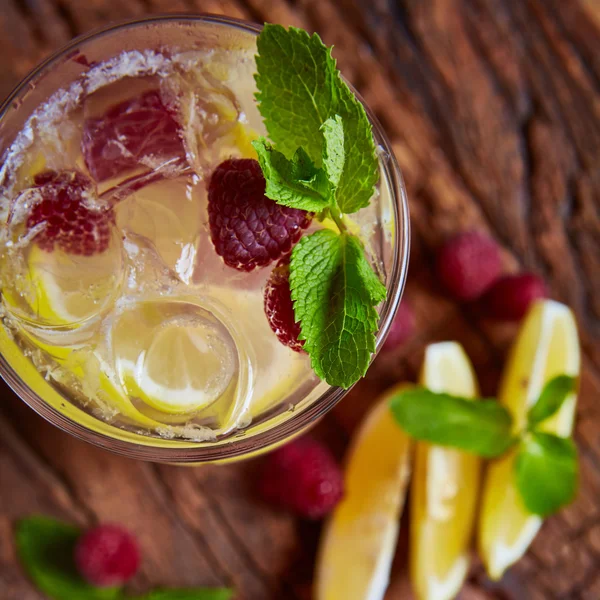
(547, 346)
(186, 368)
(359, 540)
(444, 490)
(62, 289)
(97, 384)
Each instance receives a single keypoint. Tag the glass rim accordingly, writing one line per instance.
(300, 420)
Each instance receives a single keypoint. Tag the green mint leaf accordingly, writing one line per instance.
(482, 427)
(299, 90)
(546, 472)
(333, 149)
(45, 548)
(361, 167)
(335, 292)
(188, 594)
(553, 395)
(295, 78)
(295, 183)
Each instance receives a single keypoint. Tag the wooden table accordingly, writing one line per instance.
(494, 110)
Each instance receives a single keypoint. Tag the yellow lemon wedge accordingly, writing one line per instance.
(444, 489)
(359, 540)
(547, 346)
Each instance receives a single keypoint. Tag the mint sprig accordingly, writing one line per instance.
(545, 468)
(482, 427)
(546, 472)
(298, 183)
(553, 396)
(295, 183)
(46, 547)
(299, 89)
(321, 158)
(296, 86)
(335, 291)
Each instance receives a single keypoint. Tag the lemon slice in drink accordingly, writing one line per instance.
(183, 365)
(547, 346)
(359, 541)
(58, 289)
(444, 490)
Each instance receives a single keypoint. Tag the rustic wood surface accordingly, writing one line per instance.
(493, 107)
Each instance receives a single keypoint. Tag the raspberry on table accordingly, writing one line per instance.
(468, 265)
(248, 229)
(401, 328)
(107, 555)
(137, 131)
(510, 297)
(303, 477)
(74, 219)
(279, 307)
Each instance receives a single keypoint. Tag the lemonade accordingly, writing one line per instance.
(119, 297)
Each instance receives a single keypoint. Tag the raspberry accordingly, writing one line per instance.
(135, 132)
(401, 328)
(468, 265)
(303, 477)
(248, 229)
(71, 223)
(279, 307)
(107, 555)
(510, 297)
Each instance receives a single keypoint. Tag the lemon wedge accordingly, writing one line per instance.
(547, 346)
(358, 543)
(444, 490)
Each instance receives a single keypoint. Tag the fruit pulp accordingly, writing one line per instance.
(154, 333)
(359, 539)
(444, 489)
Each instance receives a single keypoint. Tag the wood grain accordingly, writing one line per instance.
(493, 107)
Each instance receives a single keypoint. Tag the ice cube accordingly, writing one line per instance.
(132, 135)
(209, 114)
(175, 356)
(167, 213)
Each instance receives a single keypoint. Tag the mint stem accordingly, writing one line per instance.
(336, 215)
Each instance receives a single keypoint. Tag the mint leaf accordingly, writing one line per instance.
(546, 472)
(189, 594)
(334, 154)
(295, 183)
(482, 427)
(298, 183)
(335, 292)
(45, 548)
(296, 88)
(361, 167)
(299, 90)
(553, 395)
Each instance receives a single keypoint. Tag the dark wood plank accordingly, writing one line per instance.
(493, 107)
